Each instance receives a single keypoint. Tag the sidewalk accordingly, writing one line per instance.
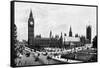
(66, 60)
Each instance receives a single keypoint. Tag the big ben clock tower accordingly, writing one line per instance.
(31, 29)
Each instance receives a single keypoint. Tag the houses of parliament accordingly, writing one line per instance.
(56, 41)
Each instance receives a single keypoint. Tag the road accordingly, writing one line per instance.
(44, 59)
(25, 61)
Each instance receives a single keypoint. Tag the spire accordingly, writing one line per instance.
(31, 19)
(61, 39)
(70, 32)
(31, 14)
(50, 33)
(70, 29)
(61, 35)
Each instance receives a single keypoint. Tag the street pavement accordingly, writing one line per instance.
(25, 61)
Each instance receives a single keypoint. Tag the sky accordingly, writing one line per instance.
(57, 18)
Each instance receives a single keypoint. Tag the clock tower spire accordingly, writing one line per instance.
(31, 29)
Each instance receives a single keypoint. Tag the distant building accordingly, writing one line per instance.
(88, 33)
(46, 42)
(38, 36)
(71, 41)
(83, 39)
(38, 41)
(57, 36)
(76, 35)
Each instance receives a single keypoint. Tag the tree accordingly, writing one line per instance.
(95, 42)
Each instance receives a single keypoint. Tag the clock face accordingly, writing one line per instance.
(31, 23)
